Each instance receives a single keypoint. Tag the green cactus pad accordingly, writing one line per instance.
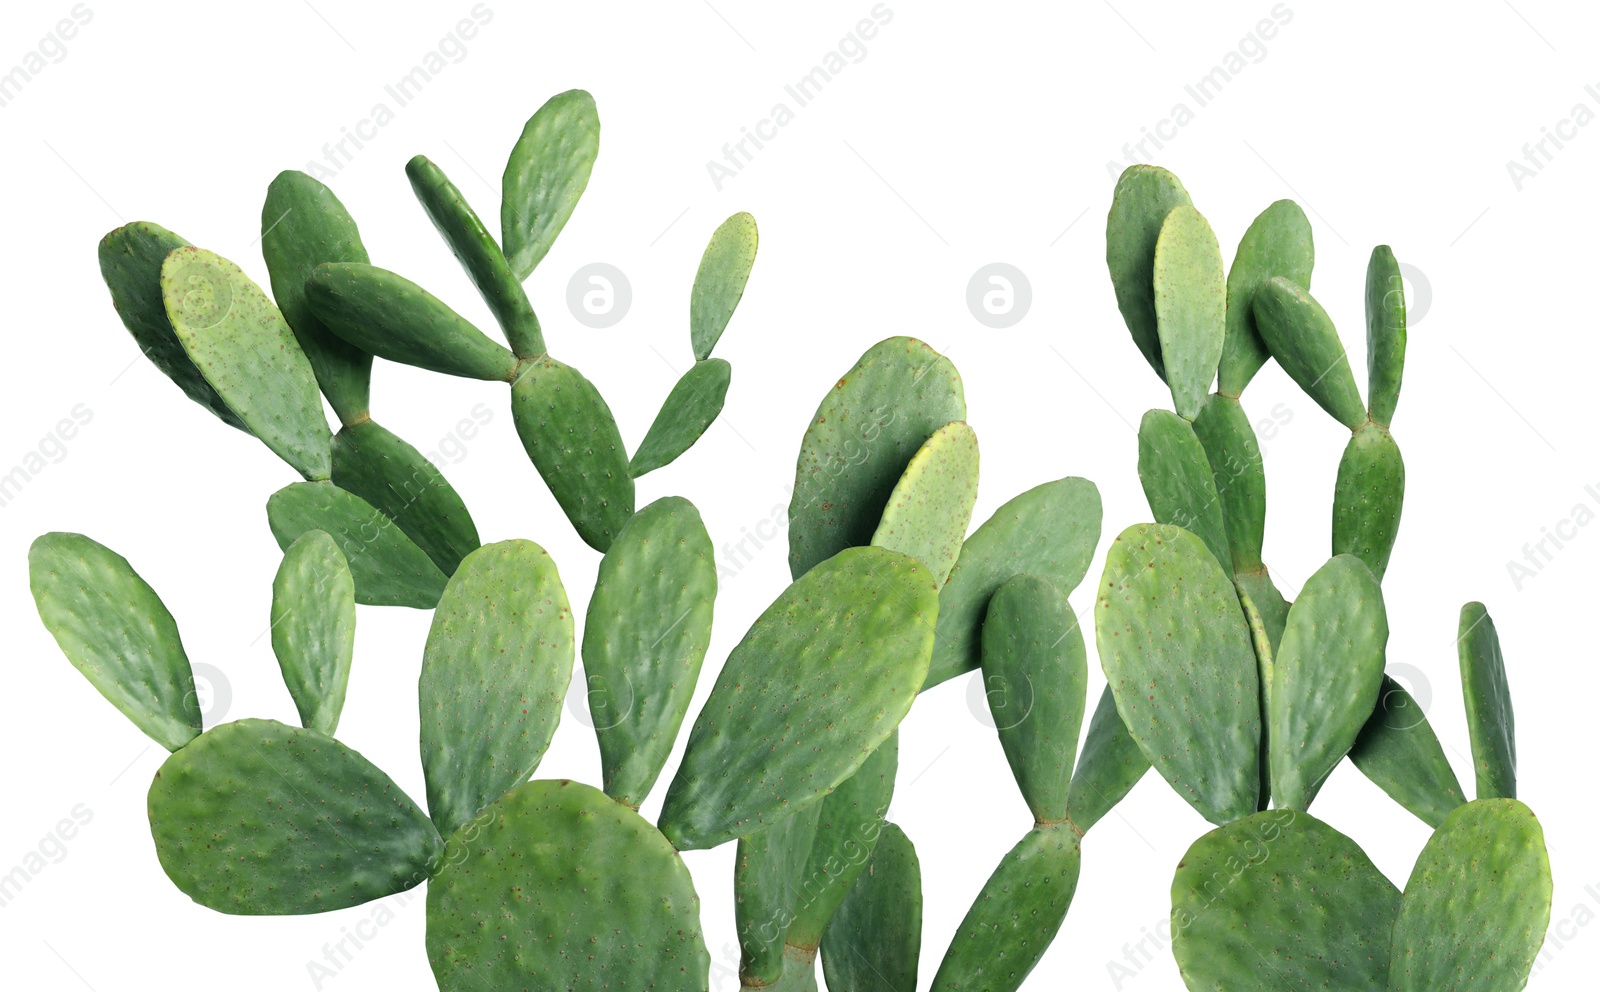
(1144, 196)
(1301, 336)
(494, 673)
(1237, 476)
(719, 282)
(1191, 306)
(1477, 904)
(556, 886)
(1367, 497)
(1277, 243)
(1386, 334)
(1261, 641)
(314, 627)
(1178, 482)
(695, 401)
(1491, 724)
(1109, 766)
(260, 819)
(242, 345)
(864, 432)
(1034, 675)
(1400, 753)
(1016, 916)
(476, 250)
(389, 569)
(545, 175)
(876, 935)
(303, 225)
(130, 264)
(394, 318)
(1177, 653)
(371, 462)
(820, 681)
(115, 630)
(1049, 531)
(1281, 900)
(644, 639)
(570, 436)
(1326, 676)
(1269, 602)
(769, 879)
(929, 510)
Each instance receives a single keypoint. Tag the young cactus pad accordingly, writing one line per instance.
(389, 568)
(314, 627)
(876, 934)
(546, 173)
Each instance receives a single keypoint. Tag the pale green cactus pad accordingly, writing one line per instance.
(130, 264)
(389, 569)
(1177, 653)
(303, 225)
(876, 934)
(1386, 334)
(494, 673)
(821, 680)
(1400, 753)
(371, 462)
(858, 443)
(1144, 196)
(1109, 766)
(1049, 531)
(555, 886)
(1237, 476)
(1277, 243)
(644, 639)
(115, 630)
(546, 173)
(1477, 904)
(1179, 484)
(1301, 336)
(1367, 496)
(719, 282)
(314, 627)
(1191, 304)
(1015, 916)
(694, 402)
(769, 880)
(243, 346)
(929, 510)
(261, 819)
(1269, 602)
(1281, 900)
(1491, 723)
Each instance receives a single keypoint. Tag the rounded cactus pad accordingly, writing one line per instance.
(1277, 243)
(1144, 196)
(557, 886)
(314, 627)
(1401, 754)
(546, 173)
(720, 280)
(1367, 496)
(1191, 306)
(929, 510)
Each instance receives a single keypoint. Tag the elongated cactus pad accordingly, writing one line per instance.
(115, 630)
(1049, 531)
(1280, 900)
(1178, 656)
(1367, 497)
(1191, 306)
(719, 282)
(1240, 483)
(303, 225)
(570, 436)
(371, 462)
(389, 569)
(1269, 602)
(314, 627)
(1386, 334)
(556, 886)
(476, 250)
(130, 264)
(1477, 904)
(1326, 676)
(494, 673)
(1491, 723)
(1277, 243)
(242, 345)
(1109, 766)
(392, 317)
(545, 175)
(822, 678)
(769, 880)
(858, 443)
(1016, 915)
(876, 934)
(1034, 676)
(929, 510)
(1301, 336)
(1400, 753)
(1178, 482)
(644, 639)
(260, 819)
(694, 402)
(1144, 196)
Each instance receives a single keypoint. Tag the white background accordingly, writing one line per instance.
(958, 139)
